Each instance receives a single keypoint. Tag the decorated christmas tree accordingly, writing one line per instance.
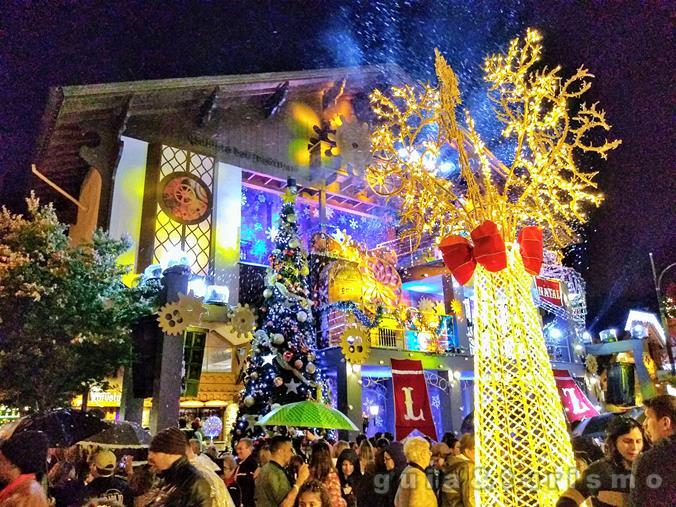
(281, 365)
(492, 220)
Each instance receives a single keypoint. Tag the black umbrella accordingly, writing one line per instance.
(64, 426)
(596, 426)
(120, 435)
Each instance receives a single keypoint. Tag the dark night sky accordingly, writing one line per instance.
(627, 45)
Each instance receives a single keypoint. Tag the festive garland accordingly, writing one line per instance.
(351, 306)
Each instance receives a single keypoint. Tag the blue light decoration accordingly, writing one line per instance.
(260, 213)
(212, 426)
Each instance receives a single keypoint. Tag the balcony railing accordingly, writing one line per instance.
(407, 256)
(387, 338)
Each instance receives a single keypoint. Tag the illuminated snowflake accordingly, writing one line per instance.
(259, 248)
(315, 212)
(329, 212)
(353, 223)
(342, 220)
(243, 199)
(261, 198)
(306, 211)
(435, 401)
(272, 233)
(339, 236)
(258, 226)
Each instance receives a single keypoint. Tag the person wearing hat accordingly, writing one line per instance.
(180, 484)
(23, 459)
(105, 488)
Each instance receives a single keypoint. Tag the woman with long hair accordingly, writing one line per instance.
(322, 470)
(607, 481)
(367, 457)
(349, 473)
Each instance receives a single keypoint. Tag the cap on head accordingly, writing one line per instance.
(105, 462)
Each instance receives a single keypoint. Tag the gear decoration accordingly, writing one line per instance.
(242, 321)
(185, 198)
(355, 342)
(456, 306)
(171, 319)
(353, 140)
(191, 307)
(591, 364)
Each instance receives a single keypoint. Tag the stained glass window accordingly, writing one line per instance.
(184, 207)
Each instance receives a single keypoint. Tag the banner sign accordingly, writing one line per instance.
(575, 403)
(411, 402)
(549, 290)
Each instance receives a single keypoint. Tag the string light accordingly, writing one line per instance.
(522, 448)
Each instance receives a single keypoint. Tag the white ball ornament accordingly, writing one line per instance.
(294, 243)
(291, 218)
(254, 375)
(310, 356)
(278, 339)
(267, 293)
(311, 368)
(301, 316)
(249, 401)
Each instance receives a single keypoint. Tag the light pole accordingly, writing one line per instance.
(658, 280)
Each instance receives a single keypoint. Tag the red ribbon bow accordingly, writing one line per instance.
(461, 257)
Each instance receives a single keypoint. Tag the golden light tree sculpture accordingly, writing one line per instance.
(523, 455)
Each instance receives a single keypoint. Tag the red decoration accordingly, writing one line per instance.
(530, 241)
(411, 403)
(575, 403)
(461, 257)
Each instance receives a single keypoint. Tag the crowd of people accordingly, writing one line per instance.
(309, 471)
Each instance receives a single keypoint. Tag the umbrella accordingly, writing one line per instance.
(120, 435)
(63, 427)
(596, 426)
(307, 414)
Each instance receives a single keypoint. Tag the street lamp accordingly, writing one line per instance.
(660, 305)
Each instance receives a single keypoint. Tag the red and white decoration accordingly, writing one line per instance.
(411, 402)
(575, 403)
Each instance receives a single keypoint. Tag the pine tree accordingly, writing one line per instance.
(282, 365)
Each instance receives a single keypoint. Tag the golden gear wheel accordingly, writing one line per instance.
(171, 319)
(243, 321)
(355, 342)
(456, 306)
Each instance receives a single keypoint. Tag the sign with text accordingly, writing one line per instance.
(550, 290)
(411, 402)
(575, 403)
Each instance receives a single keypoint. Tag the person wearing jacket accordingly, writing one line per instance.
(457, 489)
(654, 471)
(243, 478)
(395, 463)
(414, 489)
(23, 459)
(180, 484)
(607, 481)
(349, 473)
